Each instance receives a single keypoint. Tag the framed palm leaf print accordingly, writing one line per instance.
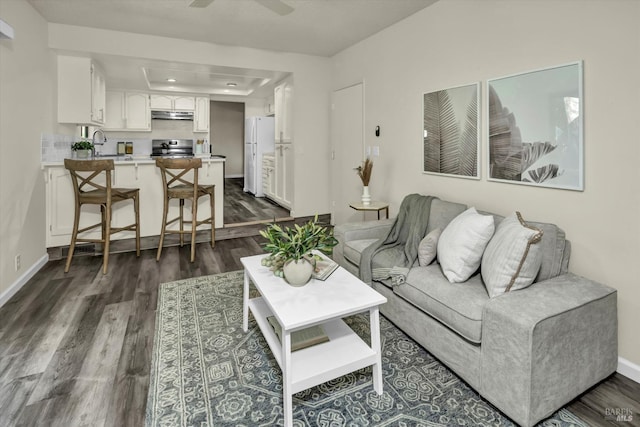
(535, 129)
(451, 131)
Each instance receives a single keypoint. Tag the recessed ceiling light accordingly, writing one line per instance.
(232, 84)
(171, 80)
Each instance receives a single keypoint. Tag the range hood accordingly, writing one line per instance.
(172, 115)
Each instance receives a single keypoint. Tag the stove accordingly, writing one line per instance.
(172, 148)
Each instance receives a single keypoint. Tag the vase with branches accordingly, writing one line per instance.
(364, 172)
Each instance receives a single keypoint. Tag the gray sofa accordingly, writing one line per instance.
(528, 352)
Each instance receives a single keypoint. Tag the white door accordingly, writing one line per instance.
(347, 144)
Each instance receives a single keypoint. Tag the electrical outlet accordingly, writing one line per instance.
(17, 262)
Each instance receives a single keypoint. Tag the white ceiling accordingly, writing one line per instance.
(314, 27)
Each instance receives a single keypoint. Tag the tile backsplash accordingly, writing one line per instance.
(56, 148)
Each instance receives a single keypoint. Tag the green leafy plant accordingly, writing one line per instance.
(295, 243)
(82, 145)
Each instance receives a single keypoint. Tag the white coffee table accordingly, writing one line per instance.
(317, 303)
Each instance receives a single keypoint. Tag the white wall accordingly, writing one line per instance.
(312, 75)
(456, 42)
(27, 106)
(227, 135)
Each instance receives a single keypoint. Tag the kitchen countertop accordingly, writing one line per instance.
(134, 160)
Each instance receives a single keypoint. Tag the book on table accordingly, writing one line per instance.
(324, 266)
(300, 339)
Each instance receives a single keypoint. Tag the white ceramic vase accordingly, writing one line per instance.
(297, 272)
(366, 197)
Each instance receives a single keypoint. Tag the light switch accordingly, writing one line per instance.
(368, 150)
(376, 151)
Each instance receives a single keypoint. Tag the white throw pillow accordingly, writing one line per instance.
(513, 257)
(462, 243)
(427, 249)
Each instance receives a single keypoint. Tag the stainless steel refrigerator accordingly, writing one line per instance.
(259, 138)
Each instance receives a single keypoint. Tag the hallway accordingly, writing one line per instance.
(241, 207)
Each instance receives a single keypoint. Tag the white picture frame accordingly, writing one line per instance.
(451, 132)
(534, 128)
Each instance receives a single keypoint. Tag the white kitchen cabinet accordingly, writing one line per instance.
(269, 175)
(269, 106)
(283, 171)
(137, 111)
(115, 117)
(283, 111)
(173, 103)
(81, 91)
(184, 103)
(128, 111)
(201, 115)
(128, 174)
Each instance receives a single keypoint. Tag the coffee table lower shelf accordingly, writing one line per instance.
(345, 351)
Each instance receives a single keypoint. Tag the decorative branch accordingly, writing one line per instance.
(364, 171)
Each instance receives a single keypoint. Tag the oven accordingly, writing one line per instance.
(172, 148)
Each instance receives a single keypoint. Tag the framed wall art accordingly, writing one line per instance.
(535, 129)
(451, 131)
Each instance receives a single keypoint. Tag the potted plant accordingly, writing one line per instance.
(290, 249)
(82, 148)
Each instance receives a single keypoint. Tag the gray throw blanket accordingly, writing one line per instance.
(399, 249)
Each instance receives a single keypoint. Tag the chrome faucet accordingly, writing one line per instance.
(93, 140)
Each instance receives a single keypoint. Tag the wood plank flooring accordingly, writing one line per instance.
(241, 207)
(75, 348)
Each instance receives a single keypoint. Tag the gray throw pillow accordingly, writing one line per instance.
(427, 248)
(462, 243)
(513, 256)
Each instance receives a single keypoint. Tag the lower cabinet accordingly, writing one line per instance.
(145, 176)
(278, 175)
(269, 176)
(284, 174)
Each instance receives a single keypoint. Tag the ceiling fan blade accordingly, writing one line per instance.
(200, 3)
(277, 6)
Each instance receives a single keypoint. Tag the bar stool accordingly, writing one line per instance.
(178, 186)
(87, 177)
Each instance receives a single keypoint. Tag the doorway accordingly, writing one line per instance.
(227, 139)
(347, 145)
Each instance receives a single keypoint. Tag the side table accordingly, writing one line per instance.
(373, 206)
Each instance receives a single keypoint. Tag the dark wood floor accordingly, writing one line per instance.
(241, 207)
(75, 348)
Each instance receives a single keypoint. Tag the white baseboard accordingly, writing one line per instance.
(22, 280)
(234, 175)
(628, 369)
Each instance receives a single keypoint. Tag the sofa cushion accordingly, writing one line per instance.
(512, 258)
(442, 212)
(457, 305)
(555, 251)
(353, 249)
(462, 243)
(427, 249)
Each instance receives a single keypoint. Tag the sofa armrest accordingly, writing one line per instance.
(357, 231)
(544, 345)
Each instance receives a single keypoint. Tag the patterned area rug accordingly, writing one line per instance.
(207, 372)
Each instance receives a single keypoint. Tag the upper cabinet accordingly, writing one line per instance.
(173, 103)
(283, 103)
(128, 111)
(81, 91)
(201, 115)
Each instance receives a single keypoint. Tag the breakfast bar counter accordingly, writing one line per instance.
(130, 172)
